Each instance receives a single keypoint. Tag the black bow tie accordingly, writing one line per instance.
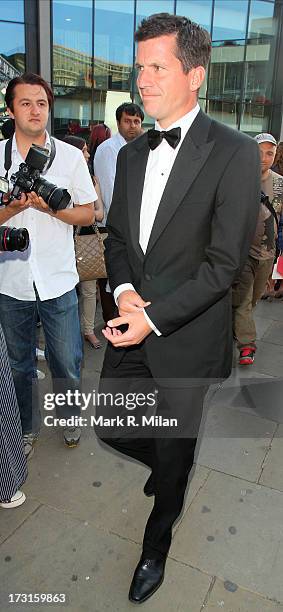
(155, 137)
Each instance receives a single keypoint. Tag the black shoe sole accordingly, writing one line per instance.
(149, 491)
(149, 494)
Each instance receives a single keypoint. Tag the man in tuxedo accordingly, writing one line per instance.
(184, 209)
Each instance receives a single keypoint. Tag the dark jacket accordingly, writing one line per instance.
(199, 242)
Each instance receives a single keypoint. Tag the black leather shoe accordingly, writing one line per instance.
(149, 487)
(147, 579)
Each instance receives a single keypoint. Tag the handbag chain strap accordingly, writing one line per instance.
(94, 226)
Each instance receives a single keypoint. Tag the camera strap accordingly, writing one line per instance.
(8, 155)
(52, 155)
(269, 206)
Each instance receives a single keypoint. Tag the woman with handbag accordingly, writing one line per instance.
(88, 287)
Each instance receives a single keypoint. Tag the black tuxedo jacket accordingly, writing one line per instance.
(198, 244)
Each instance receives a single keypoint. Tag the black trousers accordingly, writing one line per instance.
(170, 458)
(107, 301)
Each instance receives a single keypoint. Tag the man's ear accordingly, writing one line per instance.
(197, 77)
(10, 113)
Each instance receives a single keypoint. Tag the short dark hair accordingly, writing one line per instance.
(130, 109)
(193, 43)
(28, 78)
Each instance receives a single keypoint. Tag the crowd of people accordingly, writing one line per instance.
(193, 212)
(255, 276)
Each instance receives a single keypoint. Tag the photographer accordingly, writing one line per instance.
(45, 275)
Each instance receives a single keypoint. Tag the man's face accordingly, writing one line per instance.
(166, 91)
(267, 154)
(129, 126)
(30, 109)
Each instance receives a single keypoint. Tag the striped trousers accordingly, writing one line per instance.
(13, 466)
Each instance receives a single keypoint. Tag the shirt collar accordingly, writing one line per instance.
(184, 122)
(47, 144)
(121, 139)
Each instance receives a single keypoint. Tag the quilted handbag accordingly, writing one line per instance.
(89, 251)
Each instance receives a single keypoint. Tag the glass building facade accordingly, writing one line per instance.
(92, 53)
(18, 43)
(12, 53)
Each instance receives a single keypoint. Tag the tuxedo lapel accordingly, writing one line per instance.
(136, 167)
(191, 157)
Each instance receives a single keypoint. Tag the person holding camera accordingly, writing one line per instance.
(44, 276)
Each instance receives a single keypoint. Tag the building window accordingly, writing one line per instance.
(229, 20)
(72, 43)
(199, 11)
(92, 62)
(12, 10)
(12, 48)
(258, 68)
(145, 8)
(94, 50)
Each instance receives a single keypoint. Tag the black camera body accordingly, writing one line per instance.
(13, 239)
(29, 172)
(28, 179)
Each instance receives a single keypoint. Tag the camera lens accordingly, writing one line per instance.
(59, 199)
(13, 239)
(55, 197)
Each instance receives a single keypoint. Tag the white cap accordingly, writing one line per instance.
(264, 137)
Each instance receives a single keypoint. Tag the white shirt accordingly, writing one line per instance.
(104, 167)
(49, 262)
(159, 165)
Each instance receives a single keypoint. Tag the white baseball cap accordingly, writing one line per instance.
(264, 137)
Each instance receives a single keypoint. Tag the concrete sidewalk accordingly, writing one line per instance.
(81, 528)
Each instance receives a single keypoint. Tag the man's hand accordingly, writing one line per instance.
(15, 206)
(38, 203)
(130, 301)
(138, 330)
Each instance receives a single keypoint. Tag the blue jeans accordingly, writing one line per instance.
(61, 326)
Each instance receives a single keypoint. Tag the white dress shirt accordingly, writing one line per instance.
(104, 168)
(159, 165)
(49, 262)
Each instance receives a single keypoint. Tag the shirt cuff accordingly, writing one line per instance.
(130, 287)
(149, 321)
(120, 289)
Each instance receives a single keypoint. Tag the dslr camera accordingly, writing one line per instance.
(13, 239)
(28, 179)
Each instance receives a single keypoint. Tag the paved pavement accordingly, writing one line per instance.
(81, 528)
